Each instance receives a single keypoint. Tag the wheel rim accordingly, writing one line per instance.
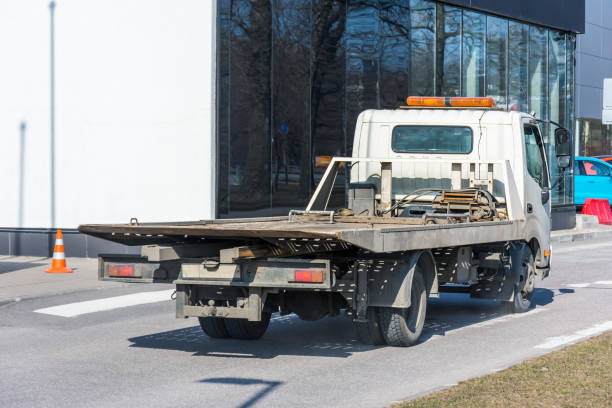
(412, 314)
(529, 283)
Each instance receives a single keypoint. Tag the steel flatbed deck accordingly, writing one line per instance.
(376, 234)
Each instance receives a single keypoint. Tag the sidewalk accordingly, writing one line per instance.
(23, 277)
(587, 227)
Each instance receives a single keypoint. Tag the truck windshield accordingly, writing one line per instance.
(432, 139)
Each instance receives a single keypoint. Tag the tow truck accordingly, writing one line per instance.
(443, 194)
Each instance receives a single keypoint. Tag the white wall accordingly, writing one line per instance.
(594, 59)
(134, 115)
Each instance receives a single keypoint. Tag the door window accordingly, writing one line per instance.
(534, 149)
(578, 168)
(592, 168)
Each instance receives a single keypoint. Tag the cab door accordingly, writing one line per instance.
(537, 186)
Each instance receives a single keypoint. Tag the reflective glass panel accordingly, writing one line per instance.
(223, 104)
(328, 85)
(556, 108)
(538, 97)
(291, 103)
(395, 55)
(448, 51)
(518, 49)
(472, 71)
(422, 47)
(496, 50)
(249, 105)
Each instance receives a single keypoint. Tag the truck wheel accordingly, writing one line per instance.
(403, 327)
(370, 332)
(213, 327)
(523, 290)
(245, 330)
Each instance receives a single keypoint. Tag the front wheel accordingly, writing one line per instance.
(403, 327)
(525, 284)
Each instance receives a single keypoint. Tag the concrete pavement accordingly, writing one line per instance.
(32, 282)
(140, 355)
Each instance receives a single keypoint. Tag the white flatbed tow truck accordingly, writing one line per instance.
(445, 194)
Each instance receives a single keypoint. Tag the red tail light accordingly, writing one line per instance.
(121, 270)
(309, 275)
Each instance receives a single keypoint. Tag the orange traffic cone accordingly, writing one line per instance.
(59, 258)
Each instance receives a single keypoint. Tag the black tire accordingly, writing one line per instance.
(214, 327)
(243, 329)
(370, 332)
(403, 327)
(523, 290)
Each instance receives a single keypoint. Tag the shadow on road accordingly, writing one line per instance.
(330, 337)
(268, 387)
(7, 266)
(286, 335)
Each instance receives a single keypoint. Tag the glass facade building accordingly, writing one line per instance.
(293, 75)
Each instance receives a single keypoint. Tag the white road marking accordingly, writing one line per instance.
(554, 342)
(602, 283)
(490, 322)
(99, 305)
(578, 285)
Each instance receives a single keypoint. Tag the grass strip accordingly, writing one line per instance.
(576, 376)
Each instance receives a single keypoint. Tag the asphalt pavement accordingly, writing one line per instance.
(71, 341)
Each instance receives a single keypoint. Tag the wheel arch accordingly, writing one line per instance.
(430, 273)
(391, 286)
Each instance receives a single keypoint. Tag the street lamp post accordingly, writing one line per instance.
(52, 124)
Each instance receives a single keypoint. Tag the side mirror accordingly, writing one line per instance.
(545, 196)
(563, 146)
(563, 161)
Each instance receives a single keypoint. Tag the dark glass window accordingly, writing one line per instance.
(293, 76)
(473, 54)
(518, 71)
(431, 139)
(448, 51)
(497, 49)
(290, 116)
(538, 95)
(422, 47)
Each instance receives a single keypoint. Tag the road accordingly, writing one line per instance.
(112, 350)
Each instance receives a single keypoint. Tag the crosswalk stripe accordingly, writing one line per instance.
(100, 305)
(554, 342)
(603, 282)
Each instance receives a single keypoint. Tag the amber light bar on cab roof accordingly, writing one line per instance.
(450, 102)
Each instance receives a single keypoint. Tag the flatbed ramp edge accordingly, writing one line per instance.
(377, 236)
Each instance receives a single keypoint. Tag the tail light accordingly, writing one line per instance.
(120, 271)
(309, 275)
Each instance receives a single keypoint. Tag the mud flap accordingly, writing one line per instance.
(390, 281)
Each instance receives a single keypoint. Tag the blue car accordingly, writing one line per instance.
(592, 179)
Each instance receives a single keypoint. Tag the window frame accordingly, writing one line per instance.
(541, 149)
(434, 126)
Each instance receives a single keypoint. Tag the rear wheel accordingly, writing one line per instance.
(403, 327)
(370, 332)
(245, 330)
(214, 327)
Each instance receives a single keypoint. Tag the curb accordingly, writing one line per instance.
(581, 236)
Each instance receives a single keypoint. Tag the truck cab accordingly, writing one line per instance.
(435, 136)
